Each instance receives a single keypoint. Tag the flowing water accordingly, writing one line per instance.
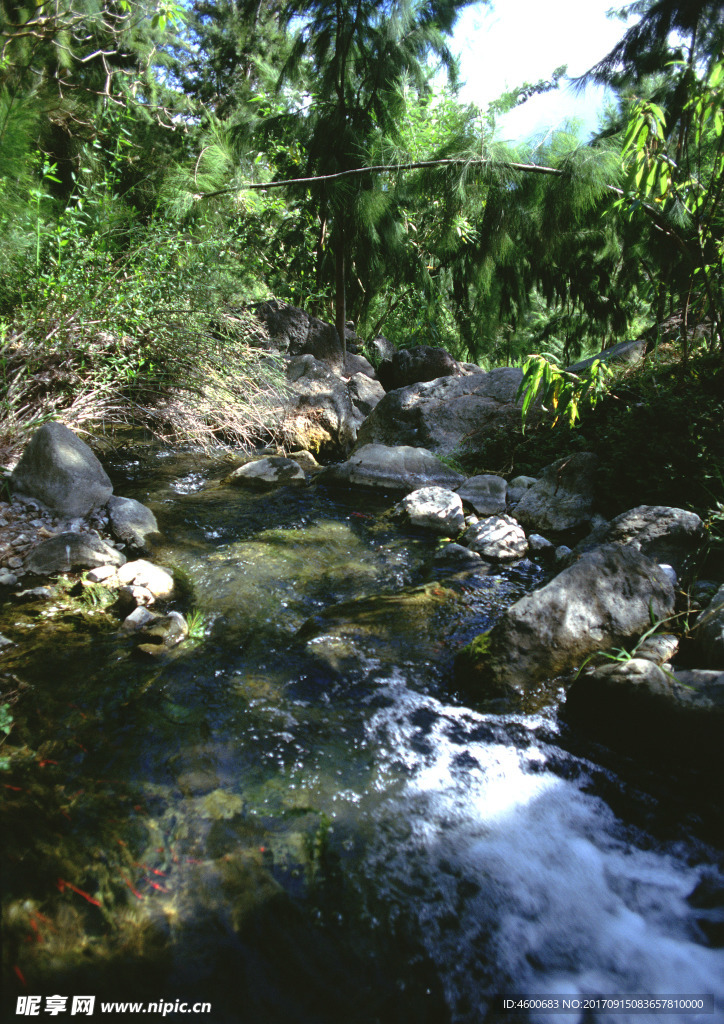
(296, 816)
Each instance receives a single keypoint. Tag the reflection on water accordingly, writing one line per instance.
(294, 817)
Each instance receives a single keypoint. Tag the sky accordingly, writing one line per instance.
(507, 42)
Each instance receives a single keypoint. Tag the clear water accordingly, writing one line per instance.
(298, 817)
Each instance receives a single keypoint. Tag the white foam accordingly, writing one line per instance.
(568, 899)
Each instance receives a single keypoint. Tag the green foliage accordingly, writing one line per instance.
(560, 392)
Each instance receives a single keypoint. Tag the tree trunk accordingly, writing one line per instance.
(340, 306)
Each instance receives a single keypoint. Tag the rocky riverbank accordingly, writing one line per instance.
(611, 590)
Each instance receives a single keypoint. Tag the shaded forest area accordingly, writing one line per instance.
(143, 147)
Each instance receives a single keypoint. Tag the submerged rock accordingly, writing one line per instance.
(398, 468)
(62, 472)
(604, 598)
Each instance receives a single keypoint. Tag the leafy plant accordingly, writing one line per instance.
(623, 654)
(559, 391)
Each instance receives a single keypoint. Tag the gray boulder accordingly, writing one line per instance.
(319, 411)
(133, 523)
(709, 633)
(266, 474)
(409, 366)
(602, 600)
(381, 349)
(638, 706)
(364, 393)
(71, 551)
(294, 332)
(445, 414)
(434, 508)
(397, 468)
(486, 493)
(562, 497)
(355, 363)
(517, 488)
(669, 535)
(457, 558)
(61, 471)
(498, 538)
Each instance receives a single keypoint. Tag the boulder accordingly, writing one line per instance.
(355, 364)
(486, 493)
(709, 633)
(319, 411)
(381, 349)
(498, 538)
(62, 472)
(540, 547)
(266, 474)
(294, 332)
(668, 535)
(133, 523)
(517, 488)
(445, 414)
(562, 497)
(393, 469)
(603, 599)
(410, 366)
(364, 393)
(640, 707)
(71, 551)
(436, 509)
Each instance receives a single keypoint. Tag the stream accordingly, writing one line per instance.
(296, 816)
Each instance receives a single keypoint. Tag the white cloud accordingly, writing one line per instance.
(510, 42)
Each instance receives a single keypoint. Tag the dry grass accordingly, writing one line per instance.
(192, 382)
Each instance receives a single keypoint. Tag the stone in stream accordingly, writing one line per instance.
(669, 535)
(486, 493)
(640, 707)
(441, 415)
(392, 468)
(140, 573)
(709, 633)
(71, 551)
(498, 538)
(133, 523)
(62, 472)
(605, 598)
(266, 474)
(562, 497)
(436, 509)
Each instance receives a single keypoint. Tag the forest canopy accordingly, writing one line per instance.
(165, 166)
